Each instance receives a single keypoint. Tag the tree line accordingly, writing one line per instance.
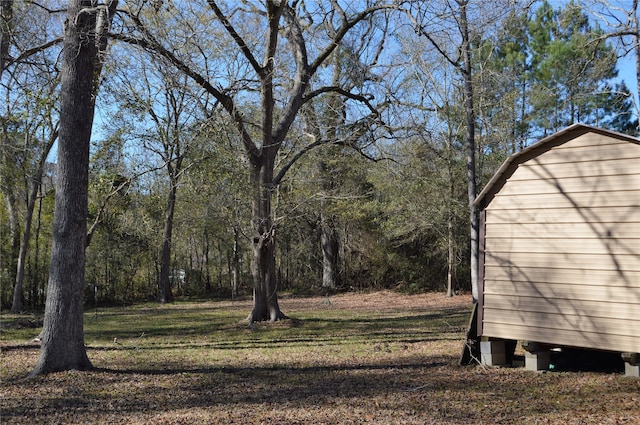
(256, 147)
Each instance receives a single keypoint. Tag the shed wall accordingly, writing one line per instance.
(562, 248)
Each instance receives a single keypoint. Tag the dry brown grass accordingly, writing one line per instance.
(380, 358)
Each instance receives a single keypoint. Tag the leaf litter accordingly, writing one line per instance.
(375, 358)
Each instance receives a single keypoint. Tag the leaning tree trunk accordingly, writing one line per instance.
(263, 264)
(16, 306)
(18, 287)
(14, 234)
(63, 332)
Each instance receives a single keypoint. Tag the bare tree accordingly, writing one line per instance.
(621, 23)
(174, 109)
(291, 44)
(84, 45)
(461, 60)
(28, 123)
(31, 195)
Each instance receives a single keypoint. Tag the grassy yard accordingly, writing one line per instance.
(380, 358)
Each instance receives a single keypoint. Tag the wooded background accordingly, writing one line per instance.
(370, 177)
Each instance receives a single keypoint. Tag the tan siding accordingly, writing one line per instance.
(564, 245)
(571, 337)
(564, 275)
(617, 198)
(564, 230)
(567, 215)
(573, 152)
(565, 321)
(617, 166)
(554, 291)
(589, 141)
(562, 261)
(599, 308)
(571, 185)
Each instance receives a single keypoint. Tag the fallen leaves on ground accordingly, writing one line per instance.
(374, 367)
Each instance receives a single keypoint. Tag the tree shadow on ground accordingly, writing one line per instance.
(411, 390)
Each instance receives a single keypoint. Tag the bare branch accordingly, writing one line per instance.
(342, 32)
(305, 73)
(43, 7)
(296, 40)
(335, 89)
(30, 52)
(236, 37)
(349, 141)
(151, 44)
(278, 178)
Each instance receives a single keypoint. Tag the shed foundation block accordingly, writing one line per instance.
(537, 360)
(631, 370)
(493, 353)
(631, 364)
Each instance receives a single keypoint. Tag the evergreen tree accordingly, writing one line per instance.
(571, 72)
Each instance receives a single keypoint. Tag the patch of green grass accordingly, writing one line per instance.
(212, 326)
(360, 359)
(216, 334)
(19, 328)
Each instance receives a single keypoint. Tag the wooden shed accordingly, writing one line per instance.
(560, 247)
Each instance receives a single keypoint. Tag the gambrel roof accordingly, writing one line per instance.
(511, 164)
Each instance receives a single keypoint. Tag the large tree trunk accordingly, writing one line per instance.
(263, 265)
(330, 248)
(471, 146)
(6, 31)
(165, 268)
(63, 333)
